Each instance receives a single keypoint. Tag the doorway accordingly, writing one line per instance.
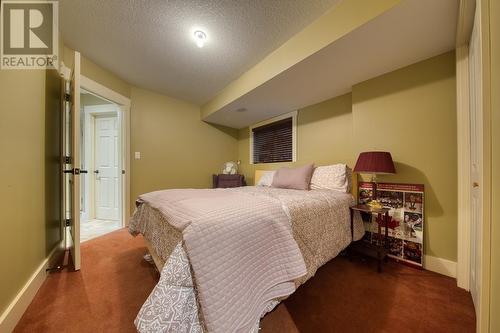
(101, 186)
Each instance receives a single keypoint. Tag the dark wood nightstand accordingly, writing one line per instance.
(379, 249)
(226, 181)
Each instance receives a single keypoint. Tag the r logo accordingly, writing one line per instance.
(28, 29)
(18, 28)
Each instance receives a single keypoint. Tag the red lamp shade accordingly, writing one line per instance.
(375, 162)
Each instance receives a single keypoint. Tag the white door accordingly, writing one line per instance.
(476, 142)
(72, 165)
(107, 166)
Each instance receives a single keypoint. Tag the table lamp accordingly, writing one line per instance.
(374, 163)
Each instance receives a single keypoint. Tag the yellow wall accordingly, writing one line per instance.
(412, 113)
(30, 208)
(495, 130)
(97, 73)
(409, 112)
(178, 150)
(324, 133)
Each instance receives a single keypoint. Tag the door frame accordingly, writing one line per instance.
(463, 148)
(123, 104)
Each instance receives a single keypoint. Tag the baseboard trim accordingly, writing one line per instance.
(10, 317)
(441, 266)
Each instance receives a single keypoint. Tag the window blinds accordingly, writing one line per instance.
(273, 142)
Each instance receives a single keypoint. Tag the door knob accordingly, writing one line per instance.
(475, 184)
(74, 171)
(96, 171)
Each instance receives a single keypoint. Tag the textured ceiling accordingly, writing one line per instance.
(149, 42)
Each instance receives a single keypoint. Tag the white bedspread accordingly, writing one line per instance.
(243, 247)
(240, 247)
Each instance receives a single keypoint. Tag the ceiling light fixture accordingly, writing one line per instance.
(200, 38)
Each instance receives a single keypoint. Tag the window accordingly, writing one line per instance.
(273, 141)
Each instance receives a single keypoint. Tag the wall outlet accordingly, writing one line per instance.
(137, 155)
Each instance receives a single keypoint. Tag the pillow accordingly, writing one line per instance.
(266, 179)
(337, 177)
(294, 178)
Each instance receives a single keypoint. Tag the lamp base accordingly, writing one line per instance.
(375, 204)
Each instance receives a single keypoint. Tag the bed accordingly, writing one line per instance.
(229, 256)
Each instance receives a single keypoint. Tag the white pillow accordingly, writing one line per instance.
(332, 177)
(266, 179)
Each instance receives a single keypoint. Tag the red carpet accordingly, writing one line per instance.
(104, 296)
(344, 296)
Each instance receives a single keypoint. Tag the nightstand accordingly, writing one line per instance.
(226, 181)
(376, 250)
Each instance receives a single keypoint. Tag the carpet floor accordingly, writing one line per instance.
(344, 296)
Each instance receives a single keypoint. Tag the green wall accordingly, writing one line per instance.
(410, 112)
(29, 169)
(178, 150)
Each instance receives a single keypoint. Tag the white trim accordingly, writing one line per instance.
(125, 127)
(102, 109)
(292, 114)
(463, 168)
(465, 21)
(64, 71)
(124, 104)
(103, 91)
(74, 136)
(485, 182)
(10, 317)
(441, 266)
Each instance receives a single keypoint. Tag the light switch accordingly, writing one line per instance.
(137, 155)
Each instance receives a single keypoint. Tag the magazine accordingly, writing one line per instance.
(406, 222)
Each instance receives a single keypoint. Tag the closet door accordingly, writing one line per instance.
(107, 166)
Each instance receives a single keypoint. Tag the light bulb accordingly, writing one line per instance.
(200, 38)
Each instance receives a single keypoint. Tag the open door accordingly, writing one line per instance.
(72, 161)
(476, 155)
(75, 138)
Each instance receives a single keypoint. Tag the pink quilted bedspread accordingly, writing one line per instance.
(241, 249)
